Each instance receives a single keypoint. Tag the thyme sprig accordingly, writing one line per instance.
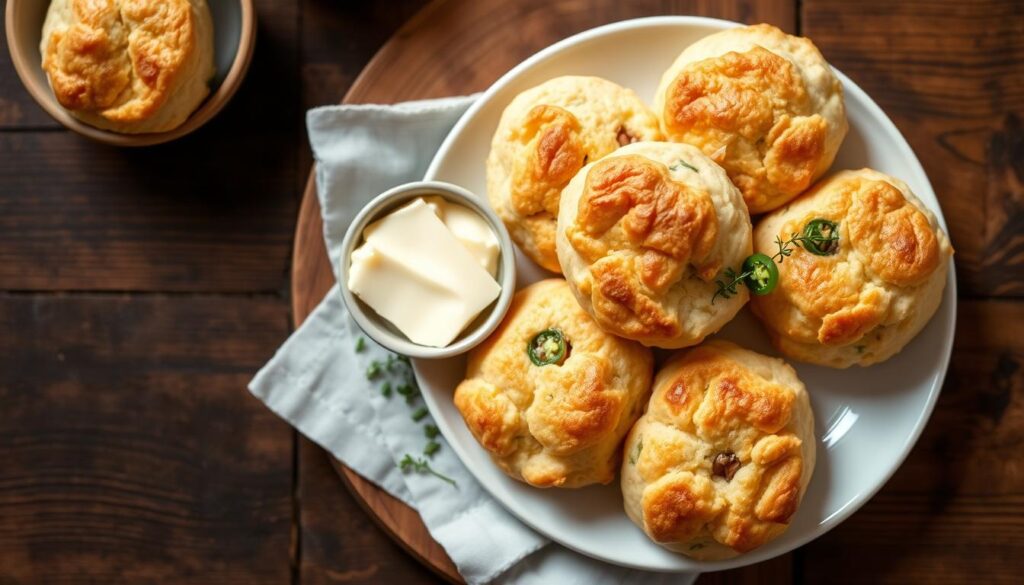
(400, 366)
(811, 239)
(421, 465)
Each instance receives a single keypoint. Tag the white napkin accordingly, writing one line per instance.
(317, 380)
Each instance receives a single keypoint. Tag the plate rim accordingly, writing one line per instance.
(908, 154)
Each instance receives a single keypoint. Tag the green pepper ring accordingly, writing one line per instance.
(763, 274)
(813, 230)
(539, 342)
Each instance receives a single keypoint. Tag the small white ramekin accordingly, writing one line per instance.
(380, 329)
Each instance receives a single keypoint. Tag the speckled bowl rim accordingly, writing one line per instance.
(370, 322)
(213, 104)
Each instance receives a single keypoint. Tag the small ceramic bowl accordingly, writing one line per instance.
(382, 331)
(234, 37)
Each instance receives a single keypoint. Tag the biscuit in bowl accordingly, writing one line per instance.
(763, 104)
(863, 298)
(642, 235)
(550, 395)
(545, 135)
(129, 66)
(719, 463)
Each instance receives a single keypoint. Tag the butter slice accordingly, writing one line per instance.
(470, 229)
(415, 273)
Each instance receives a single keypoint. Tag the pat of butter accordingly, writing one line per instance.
(415, 273)
(470, 229)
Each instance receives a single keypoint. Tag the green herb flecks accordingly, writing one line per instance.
(680, 164)
(407, 391)
(634, 455)
(421, 465)
(431, 431)
(431, 448)
(419, 414)
(360, 344)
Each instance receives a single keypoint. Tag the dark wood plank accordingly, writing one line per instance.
(951, 75)
(130, 450)
(777, 570)
(212, 212)
(954, 512)
(336, 528)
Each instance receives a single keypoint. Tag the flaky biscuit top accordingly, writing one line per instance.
(761, 103)
(120, 59)
(544, 137)
(719, 459)
(888, 248)
(558, 425)
(640, 230)
(643, 234)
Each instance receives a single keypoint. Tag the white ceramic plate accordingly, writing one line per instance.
(866, 419)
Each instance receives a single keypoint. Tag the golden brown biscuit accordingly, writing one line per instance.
(545, 135)
(562, 424)
(720, 461)
(130, 66)
(642, 234)
(863, 303)
(763, 104)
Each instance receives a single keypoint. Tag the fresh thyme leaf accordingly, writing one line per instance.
(360, 344)
(421, 465)
(373, 370)
(431, 431)
(407, 391)
(419, 414)
(819, 237)
(728, 289)
(680, 163)
(385, 390)
(431, 448)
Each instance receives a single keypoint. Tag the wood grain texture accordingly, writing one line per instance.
(951, 76)
(129, 449)
(458, 47)
(340, 542)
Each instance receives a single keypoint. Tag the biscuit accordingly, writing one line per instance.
(561, 424)
(720, 461)
(130, 66)
(545, 135)
(642, 235)
(863, 303)
(763, 104)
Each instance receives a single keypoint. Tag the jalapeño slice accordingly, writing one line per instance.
(821, 237)
(762, 274)
(547, 347)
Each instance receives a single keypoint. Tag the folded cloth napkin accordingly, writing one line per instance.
(318, 380)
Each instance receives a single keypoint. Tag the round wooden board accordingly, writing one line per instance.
(457, 47)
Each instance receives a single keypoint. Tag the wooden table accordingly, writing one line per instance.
(141, 289)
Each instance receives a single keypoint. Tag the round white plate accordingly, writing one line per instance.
(866, 419)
